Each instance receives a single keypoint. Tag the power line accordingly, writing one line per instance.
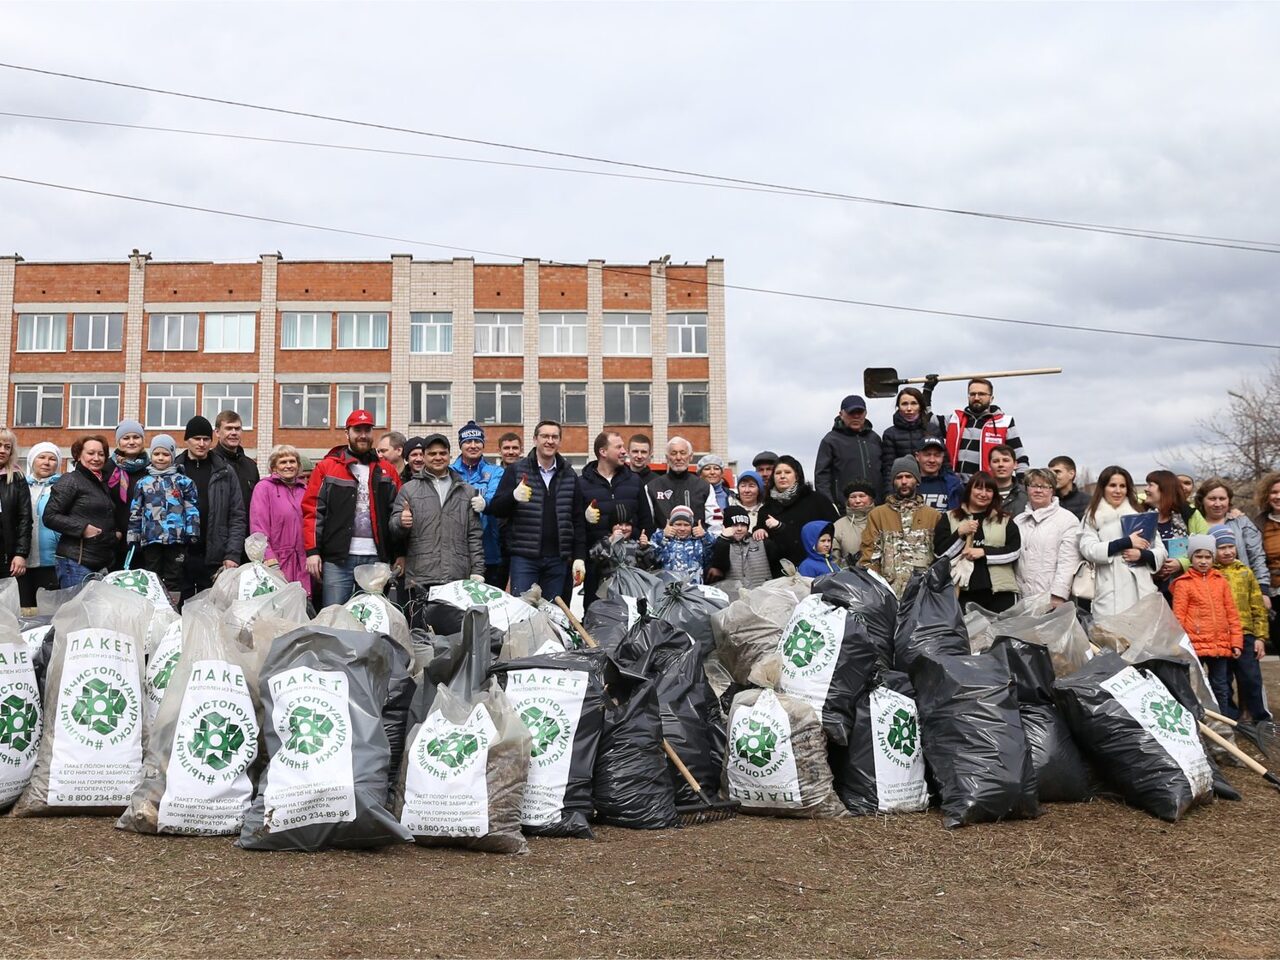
(623, 271)
(1257, 246)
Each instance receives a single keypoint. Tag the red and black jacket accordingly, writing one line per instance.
(329, 506)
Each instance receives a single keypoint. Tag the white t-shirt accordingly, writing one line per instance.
(362, 544)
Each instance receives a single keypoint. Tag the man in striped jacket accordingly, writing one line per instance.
(973, 432)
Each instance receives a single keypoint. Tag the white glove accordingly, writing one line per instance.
(477, 503)
(478, 578)
(523, 492)
(593, 515)
(579, 571)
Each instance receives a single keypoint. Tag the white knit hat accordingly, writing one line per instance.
(44, 446)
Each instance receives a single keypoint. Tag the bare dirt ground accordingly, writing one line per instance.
(1085, 880)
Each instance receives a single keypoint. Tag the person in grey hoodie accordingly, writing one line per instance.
(849, 453)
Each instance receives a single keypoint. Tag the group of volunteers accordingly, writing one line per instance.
(892, 502)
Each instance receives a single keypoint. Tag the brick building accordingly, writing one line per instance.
(425, 346)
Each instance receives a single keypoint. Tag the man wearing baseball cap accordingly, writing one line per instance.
(346, 511)
(849, 453)
(940, 487)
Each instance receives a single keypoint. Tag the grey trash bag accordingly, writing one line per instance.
(633, 784)
(90, 756)
(325, 785)
(1061, 772)
(9, 597)
(249, 580)
(464, 773)
(48, 602)
(748, 630)
(973, 738)
(629, 581)
(202, 752)
(560, 699)
(1059, 631)
(881, 770)
(1143, 741)
(929, 618)
(870, 598)
(688, 607)
(21, 710)
(372, 608)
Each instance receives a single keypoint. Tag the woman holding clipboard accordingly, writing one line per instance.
(1123, 562)
(1176, 520)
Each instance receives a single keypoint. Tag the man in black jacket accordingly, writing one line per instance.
(849, 453)
(608, 483)
(227, 427)
(678, 487)
(1069, 495)
(222, 509)
(638, 450)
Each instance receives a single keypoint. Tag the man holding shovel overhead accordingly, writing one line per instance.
(973, 432)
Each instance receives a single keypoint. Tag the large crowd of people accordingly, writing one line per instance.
(929, 486)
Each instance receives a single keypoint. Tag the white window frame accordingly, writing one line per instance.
(242, 327)
(363, 331)
(424, 389)
(44, 393)
(107, 328)
(683, 334)
(362, 396)
(318, 323)
(102, 398)
(169, 406)
(44, 332)
(306, 394)
(565, 390)
(162, 327)
(218, 396)
(631, 389)
(676, 390)
(499, 334)
(562, 334)
(623, 333)
(501, 389)
(431, 332)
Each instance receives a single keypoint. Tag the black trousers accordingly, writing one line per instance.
(34, 579)
(168, 561)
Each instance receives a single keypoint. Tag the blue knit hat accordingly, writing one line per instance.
(470, 432)
(1223, 535)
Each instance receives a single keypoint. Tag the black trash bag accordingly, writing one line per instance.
(323, 693)
(692, 720)
(827, 659)
(608, 620)
(1061, 772)
(871, 599)
(560, 698)
(633, 783)
(37, 633)
(881, 770)
(929, 618)
(973, 738)
(688, 607)
(401, 690)
(461, 662)
(630, 581)
(1143, 741)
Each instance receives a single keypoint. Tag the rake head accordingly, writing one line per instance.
(1262, 734)
(710, 812)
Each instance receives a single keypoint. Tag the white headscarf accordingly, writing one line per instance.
(43, 447)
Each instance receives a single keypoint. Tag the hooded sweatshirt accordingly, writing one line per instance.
(816, 564)
(847, 456)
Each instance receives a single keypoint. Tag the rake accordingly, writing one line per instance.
(707, 810)
(1240, 755)
(1262, 735)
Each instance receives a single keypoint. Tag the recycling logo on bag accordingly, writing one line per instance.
(757, 743)
(308, 731)
(369, 612)
(479, 592)
(99, 707)
(1169, 715)
(548, 726)
(903, 733)
(161, 680)
(449, 754)
(19, 723)
(135, 580)
(216, 741)
(802, 644)
(97, 703)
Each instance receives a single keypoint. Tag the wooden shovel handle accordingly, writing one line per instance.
(674, 757)
(1221, 719)
(1232, 749)
(982, 376)
(576, 623)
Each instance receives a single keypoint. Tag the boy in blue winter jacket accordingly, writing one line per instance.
(164, 517)
(817, 537)
(682, 548)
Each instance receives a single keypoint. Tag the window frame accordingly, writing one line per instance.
(182, 417)
(43, 394)
(628, 394)
(111, 320)
(379, 411)
(566, 389)
(512, 350)
(499, 394)
(633, 329)
(228, 402)
(553, 323)
(308, 393)
(352, 319)
(420, 326)
(676, 330)
(675, 402)
(315, 315)
(219, 320)
(420, 391)
(193, 319)
(107, 422)
(55, 321)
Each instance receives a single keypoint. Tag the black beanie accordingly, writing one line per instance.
(621, 513)
(198, 427)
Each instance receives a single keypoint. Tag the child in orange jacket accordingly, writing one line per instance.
(1204, 605)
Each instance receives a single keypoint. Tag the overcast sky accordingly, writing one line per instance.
(1147, 115)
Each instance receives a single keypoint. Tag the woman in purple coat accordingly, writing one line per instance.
(276, 511)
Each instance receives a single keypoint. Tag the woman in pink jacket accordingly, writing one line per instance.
(276, 511)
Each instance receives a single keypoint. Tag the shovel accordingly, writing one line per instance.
(884, 381)
(708, 810)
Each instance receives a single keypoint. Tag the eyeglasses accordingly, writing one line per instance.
(1039, 486)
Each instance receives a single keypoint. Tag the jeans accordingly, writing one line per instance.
(72, 574)
(1219, 670)
(1248, 675)
(338, 580)
(550, 573)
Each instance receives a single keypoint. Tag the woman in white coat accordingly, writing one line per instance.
(1122, 564)
(1050, 542)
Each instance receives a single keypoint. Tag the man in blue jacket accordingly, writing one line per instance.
(485, 477)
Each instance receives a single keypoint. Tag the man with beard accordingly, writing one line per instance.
(607, 483)
(678, 487)
(972, 433)
(346, 511)
(849, 453)
(940, 488)
(899, 537)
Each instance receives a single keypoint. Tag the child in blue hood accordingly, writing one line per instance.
(817, 536)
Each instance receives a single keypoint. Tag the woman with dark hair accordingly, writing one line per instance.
(790, 505)
(1176, 520)
(82, 509)
(15, 509)
(1213, 500)
(913, 421)
(1122, 563)
(980, 532)
(1268, 522)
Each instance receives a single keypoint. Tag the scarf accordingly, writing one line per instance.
(131, 465)
(856, 514)
(788, 495)
(172, 468)
(1106, 513)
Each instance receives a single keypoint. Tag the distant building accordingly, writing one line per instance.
(424, 346)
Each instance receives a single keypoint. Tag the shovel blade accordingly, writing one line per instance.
(880, 382)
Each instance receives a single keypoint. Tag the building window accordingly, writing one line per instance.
(627, 335)
(42, 332)
(499, 403)
(304, 405)
(687, 402)
(431, 333)
(170, 405)
(626, 403)
(362, 331)
(229, 332)
(363, 396)
(228, 396)
(432, 403)
(37, 405)
(174, 331)
(499, 334)
(98, 331)
(306, 331)
(566, 402)
(687, 334)
(95, 405)
(563, 334)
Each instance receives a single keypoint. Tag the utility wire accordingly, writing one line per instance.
(623, 271)
(1257, 246)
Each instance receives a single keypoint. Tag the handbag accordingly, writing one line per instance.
(1084, 582)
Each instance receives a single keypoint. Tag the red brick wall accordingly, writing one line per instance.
(628, 368)
(700, 437)
(71, 282)
(562, 368)
(498, 368)
(686, 296)
(333, 281)
(499, 287)
(574, 440)
(688, 368)
(626, 287)
(194, 282)
(562, 288)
